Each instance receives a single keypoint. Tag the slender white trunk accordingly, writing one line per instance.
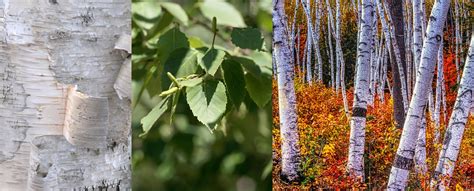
(309, 77)
(297, 52)
(331, 55)
(457, 123)
(286, 96)
(293, 30)
(437, 104)
(334, 33)
(45, 47)
(383, 75)
(373, 63)
(457, 40)
(417, 33)
(355, 165)
(408, 46)
(316, 43)
(403, 161)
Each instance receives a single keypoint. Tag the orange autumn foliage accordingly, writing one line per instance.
(324, 140)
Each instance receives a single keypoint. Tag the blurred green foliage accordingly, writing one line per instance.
(183, 154)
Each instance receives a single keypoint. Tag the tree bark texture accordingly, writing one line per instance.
(52, 138)
(355, 165)
(286, 96)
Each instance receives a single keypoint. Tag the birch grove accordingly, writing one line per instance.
(65, 125)
(373, 83)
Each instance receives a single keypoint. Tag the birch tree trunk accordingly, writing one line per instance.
(355, 165)
(55, 136)
(286, 96)
(316, 41)
(439, 84)
(457, 123)
(417, 33)
(420, 150)
(331, 54)
(403, 161)
(340, 56)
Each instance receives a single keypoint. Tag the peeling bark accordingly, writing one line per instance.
(46, 46)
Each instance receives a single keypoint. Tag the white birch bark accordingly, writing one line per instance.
(437, 103)
(45, 46)
(310, 36)
(340, 56)
(355, 165)
(293, 30)
(408, 46)
(417, 33)
(286, 96)
(457, 40)
(334, 33)
(383, 75)
(403, 161)
(420, 150)
(457, 123)
(373, 63)
(298, 52)
(309, 77)
(331, 53)
(316, 30)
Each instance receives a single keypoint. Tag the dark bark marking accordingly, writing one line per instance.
(403, 162)
(359, 112)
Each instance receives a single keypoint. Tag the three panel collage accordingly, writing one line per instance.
(237, 95)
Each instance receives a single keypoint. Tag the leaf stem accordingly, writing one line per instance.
(168, 92)
(172, 78)
(214, 30)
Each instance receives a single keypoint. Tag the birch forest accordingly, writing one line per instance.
(373, 94)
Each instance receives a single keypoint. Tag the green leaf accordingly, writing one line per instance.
(248, 64)
(211, 61)
(190, 82)
(150, 119)
(145, 14)
(234, 81)
(163, 23)
(225, 13)
(196, 42)
(170, 41)
(260, 90)
(181, 62)
(264, 61)
(177, 11)
(249, 38)
(207, 101)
